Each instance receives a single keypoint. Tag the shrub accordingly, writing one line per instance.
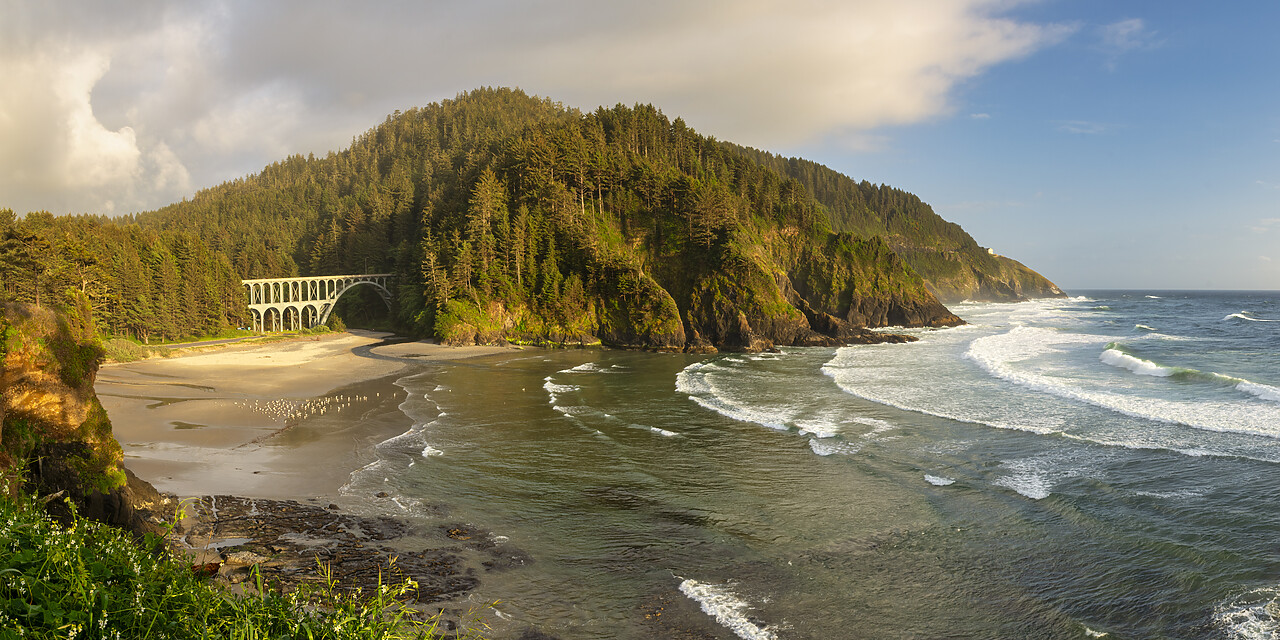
(121, 350)
(86, 579)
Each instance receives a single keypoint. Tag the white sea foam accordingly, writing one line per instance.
(411, 438)
(938, 481)
(1144, 327)
(1035, 477)
(721, 603)
(1001, 355)
(1154, 297)
(663, 432)
(1264, 391)
(839, 369)
(863, 372)
(877, 425)
(695, 381)
(828, 447)
(1118, 358)
(1032, 486)
(820, 428)
(554, 388)
(1247, 315)
(584, 368)
(574, 410)
(429, 451)
(1251, 616)
(1181, 494)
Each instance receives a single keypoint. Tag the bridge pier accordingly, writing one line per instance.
(277, 304)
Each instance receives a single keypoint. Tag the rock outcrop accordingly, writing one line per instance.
(54, 434)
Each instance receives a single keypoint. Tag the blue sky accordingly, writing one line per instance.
(1150, 161)
(1104, 144)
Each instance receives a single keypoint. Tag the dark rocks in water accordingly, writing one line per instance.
(286, 539)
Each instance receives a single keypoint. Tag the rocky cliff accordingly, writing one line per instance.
(54, 434)
(511, 217)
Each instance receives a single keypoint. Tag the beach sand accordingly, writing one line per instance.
(266, 421)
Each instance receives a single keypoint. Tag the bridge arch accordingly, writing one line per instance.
(342, 289)
(279, 304)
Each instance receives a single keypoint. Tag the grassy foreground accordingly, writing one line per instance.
(89, 580)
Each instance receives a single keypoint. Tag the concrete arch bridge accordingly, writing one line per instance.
(279, 304)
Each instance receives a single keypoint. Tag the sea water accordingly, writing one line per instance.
(1102, 465)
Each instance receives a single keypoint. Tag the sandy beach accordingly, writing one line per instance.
(268, 420)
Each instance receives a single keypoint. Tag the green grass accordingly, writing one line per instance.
(124, 350)
(88, 580)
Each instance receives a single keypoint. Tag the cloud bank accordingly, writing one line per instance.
(109, 108)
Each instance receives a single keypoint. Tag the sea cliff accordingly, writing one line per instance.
(55, 436)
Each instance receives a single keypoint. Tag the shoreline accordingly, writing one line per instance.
(266, 420)
(256, 443)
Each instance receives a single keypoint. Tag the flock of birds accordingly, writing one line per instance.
(289, 411)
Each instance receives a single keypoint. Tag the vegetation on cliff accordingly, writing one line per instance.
(952, 264)
(65, 573)
(511, 217)
(53, 430)
(507, 216)
(140, 282)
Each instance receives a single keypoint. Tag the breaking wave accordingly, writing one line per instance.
(721, 603)
(1247, 315)
(1116, 357)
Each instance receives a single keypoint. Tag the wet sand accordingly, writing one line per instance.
(264, 421)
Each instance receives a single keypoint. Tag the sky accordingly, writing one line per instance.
(1106, 144)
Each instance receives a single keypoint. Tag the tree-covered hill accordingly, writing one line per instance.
(511, 217)
(142, 282)
(952, 264)
(507, 216)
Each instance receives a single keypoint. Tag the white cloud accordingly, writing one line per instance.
(1125, 36)
(980, 116)
(93, 156)
(784, 73)
(1264, 225)
(54, 145)
(139, 104)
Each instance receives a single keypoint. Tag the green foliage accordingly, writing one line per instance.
(90, 580)
(119, 278)
(462, 322)
(42, 346)
(494, 197)
(499, 200)
(940, 251)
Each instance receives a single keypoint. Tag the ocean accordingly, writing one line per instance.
(1106, 465)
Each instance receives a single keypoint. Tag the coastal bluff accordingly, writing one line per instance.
(55, 437)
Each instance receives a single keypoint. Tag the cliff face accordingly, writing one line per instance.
(54, 434)
(955, 277)
(945, 256)
(624, 228)
(508, 217)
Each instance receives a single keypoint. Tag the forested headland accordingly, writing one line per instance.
(511, 217)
